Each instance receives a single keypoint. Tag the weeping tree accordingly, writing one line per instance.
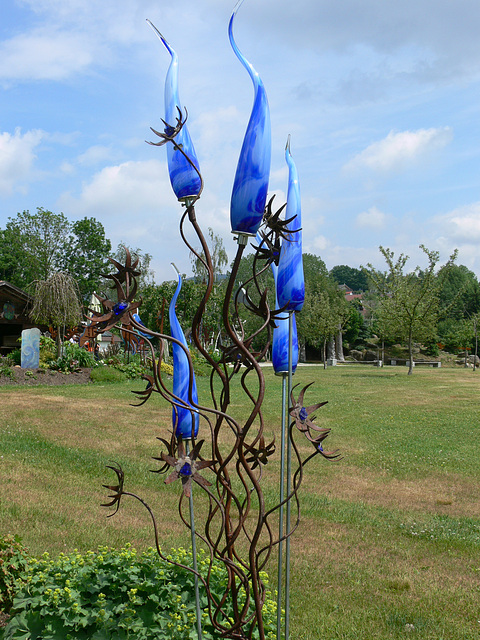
(56, 303)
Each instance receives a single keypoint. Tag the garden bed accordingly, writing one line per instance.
(32, 377)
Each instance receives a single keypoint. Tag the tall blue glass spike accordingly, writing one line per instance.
(184, 179)
(280, 339)
(290, 281)
(250, 186)
(184, 419)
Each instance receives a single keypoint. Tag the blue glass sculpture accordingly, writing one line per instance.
(184, 179)
(251, 179)
(290, 280)
(184, 420)
(137, 318)
(280, 339)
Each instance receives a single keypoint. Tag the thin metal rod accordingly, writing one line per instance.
(194, 556)
(289, 481)
(280, 517)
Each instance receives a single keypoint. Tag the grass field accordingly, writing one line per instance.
(389, 543)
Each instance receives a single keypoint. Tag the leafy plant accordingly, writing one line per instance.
(16, 356)
(74, 358)
(81, 356)
(115, 594)
(6, 364)
(13, 563)
(48, 350)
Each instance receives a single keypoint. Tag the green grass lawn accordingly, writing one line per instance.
(389, 543)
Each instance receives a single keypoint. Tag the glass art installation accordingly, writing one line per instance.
(218, 455)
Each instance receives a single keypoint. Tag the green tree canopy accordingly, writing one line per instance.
(218, 255)
(408, 301)
(86, 255)
(34, 246)
(356, 279)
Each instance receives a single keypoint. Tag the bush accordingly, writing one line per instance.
(114, 595)
(6, 364)
(48, 350)
(16, 356)
(13, 564)
(74, 358)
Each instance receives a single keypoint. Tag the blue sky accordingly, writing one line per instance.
(381, 100)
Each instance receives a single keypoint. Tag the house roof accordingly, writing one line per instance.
(8, 289)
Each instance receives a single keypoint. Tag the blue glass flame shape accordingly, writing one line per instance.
(280, 342)
(181, 416)
(184, 179)
(290, 281)
(280, 338)
(250, 186)
(137, 318)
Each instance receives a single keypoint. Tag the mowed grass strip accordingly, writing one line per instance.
(389, 539)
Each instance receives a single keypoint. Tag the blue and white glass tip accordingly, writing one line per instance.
(250, 186)
(184, 178)
(185, 420)
(290, 280)
(281, 339)
(137, 318)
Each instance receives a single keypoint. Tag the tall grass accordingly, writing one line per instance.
(389, 542)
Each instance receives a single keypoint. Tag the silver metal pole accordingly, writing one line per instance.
(289, 480)
(194, 556)
(280, 516)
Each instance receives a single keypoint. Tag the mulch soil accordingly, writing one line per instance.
(32, 377)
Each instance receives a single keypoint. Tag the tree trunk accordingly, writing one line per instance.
(302, 353)
(331, 348)
(410, 353)
(339, 345)
(476, 347)
(325, 353)
(58, 340)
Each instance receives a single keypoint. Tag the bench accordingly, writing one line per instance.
(416, 363)
(376, 363)
(425, 363)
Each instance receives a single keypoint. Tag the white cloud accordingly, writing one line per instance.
(45, 55)
(17, 155)
(399, 150)
(96, 154)
(462, 224)
(371, 219)
(127, 188)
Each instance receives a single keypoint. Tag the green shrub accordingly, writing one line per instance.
(114, 595)
(131, 370)
(16, 356)
(166, 368)
(107, 374)
(48, 350)
(13, 564)
(6, 364)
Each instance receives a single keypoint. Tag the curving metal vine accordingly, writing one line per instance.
(238, 528)
(235, 525)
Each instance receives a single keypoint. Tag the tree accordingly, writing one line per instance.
(146, 277)
(409, 302)
(56, 303)
(86, 255)
(356, 279)
(33, 246)
(325, 309)
(218, 255)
